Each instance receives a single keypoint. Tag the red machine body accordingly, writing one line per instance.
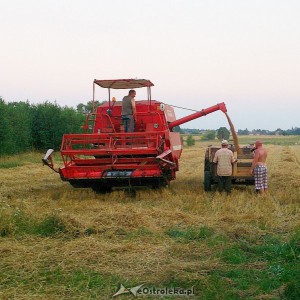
(108, 157)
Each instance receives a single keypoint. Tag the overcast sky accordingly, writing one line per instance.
(196, 52)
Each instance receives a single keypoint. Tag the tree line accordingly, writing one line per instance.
(28, 127)
(278, 131)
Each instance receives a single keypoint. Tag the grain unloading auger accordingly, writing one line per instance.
(108, 157)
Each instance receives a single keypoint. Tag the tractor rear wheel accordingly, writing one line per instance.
(207, 181)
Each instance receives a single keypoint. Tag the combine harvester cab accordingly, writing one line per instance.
(109, 157)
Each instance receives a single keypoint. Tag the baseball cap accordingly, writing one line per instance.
(224, 142)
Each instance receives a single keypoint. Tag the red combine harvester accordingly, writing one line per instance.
(109, 157)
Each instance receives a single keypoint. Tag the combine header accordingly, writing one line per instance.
(106, 156)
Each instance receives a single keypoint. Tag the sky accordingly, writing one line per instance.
(197, 53)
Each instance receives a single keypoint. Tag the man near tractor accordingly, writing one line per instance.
(259, 168)
(224, 160)
(129, 111)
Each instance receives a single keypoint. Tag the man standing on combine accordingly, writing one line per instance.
(224, 160)
(129, 111)
(259, 168)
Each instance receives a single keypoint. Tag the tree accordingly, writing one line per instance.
(15, 127)
(20, 117)
(223, 133)
(24, 126)
(51, 121)
(87, 108)
(176, 129)
(5, 130)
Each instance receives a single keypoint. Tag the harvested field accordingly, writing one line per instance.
(57, 242)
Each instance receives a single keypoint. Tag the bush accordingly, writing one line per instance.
(209, 135)
(190, 141)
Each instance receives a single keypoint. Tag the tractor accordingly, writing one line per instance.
(241, 172)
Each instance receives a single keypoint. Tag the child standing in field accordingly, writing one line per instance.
(259, 168)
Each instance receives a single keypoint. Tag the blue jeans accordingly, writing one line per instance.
(128, 122)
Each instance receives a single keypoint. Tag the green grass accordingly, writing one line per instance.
(234, 255)
(190, 233)
(10, 164)
(19, 223)
(78, 283)
(82, 283)
(237, 277)
(269, 264)
(278, 265)
(57, 242)
(13, 161)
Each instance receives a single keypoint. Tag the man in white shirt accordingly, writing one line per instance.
(224, 160)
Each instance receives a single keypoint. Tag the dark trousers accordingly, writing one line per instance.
(224, 182)
(128, 123)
